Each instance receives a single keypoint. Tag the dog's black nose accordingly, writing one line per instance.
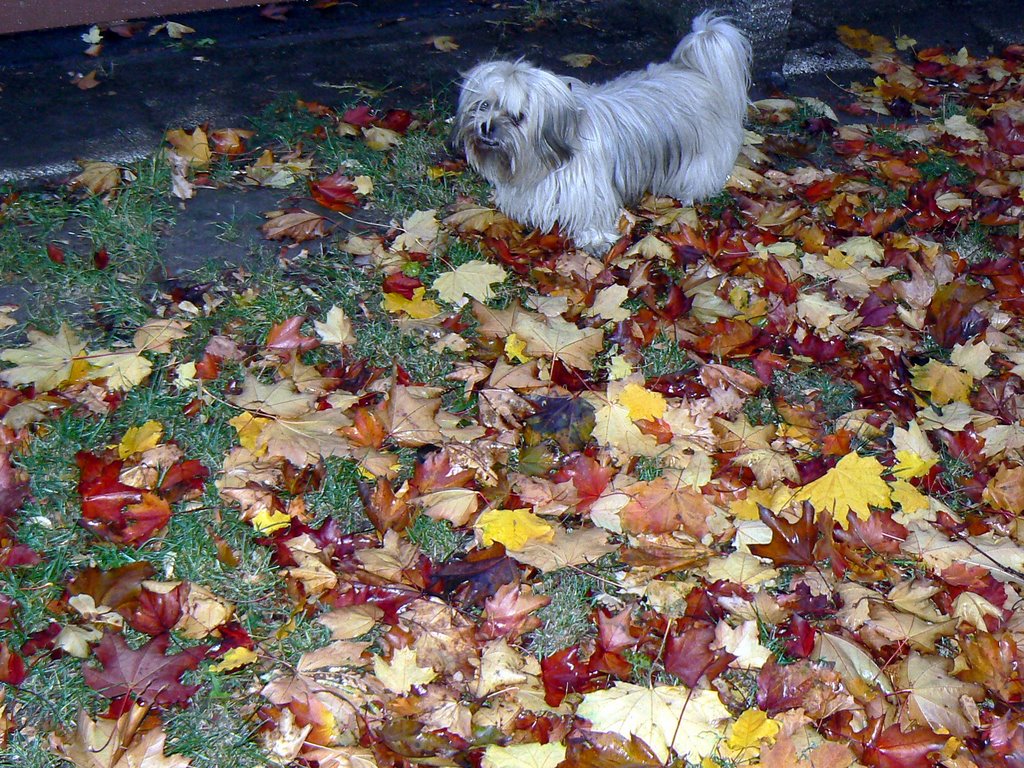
(485, 129)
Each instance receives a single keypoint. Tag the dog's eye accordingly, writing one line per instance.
(485, 105)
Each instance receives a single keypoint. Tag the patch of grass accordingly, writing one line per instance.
(28, 751)
(284, 122)
(770, 637)
(214, 732)
(796, 125)
(835, 396)
(438, 539)
(715, 207)
(540, 12)
(338, 497)
(940, 164)
(304, 635)
(400, 175)
(760, 410)
(566, 621)
(648, 468)
(888, 198)
(893, 140)
(128, 225)
(954, 471)
(34, 700)
(383, 344)
(664, 356)
(973, 245)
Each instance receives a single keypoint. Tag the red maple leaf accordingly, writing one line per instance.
(185, 480)
(688, 653)
(564, 672)
(434, 473)
(285, 336)
(12, 667)
(361, 116)
(14, 488)
(510, 613)
(114, 510)
(147, 675)
(157, 612)
(397, 120)
(894, 748)
(792, 543)
(336, 192)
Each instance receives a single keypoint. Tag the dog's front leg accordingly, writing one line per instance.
(596, 241)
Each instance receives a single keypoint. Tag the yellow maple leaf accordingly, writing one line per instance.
(185, 375)
(908, 497)
(909, 464)
(751, 728)
(946, 383)
(559, 339)
(249, 428)
(336, 329)
(515, 349)
(619, 368)
(608, 304)
(664, 717)
(420, 233)
(139, 439)
(854, 484)
(776, 499)
(579, 60)
(642, 403)
(122, 370)
(514, 528)
(381, 138)
(417, 307)
(233, 659)
(268, 521)
(47, 362)
(524, 756)
(194, 146)
(403, 671)
(473, 279)
(158, 334)
(862, 40)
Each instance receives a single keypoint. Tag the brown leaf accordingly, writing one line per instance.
(792, 543)
(661, 506)
(295, 225)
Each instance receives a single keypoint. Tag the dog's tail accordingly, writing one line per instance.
(720, 52)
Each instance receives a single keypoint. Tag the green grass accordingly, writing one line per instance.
(664, 356)
(566, 620)
(438, 539)
(214, 732)
(939, 164)
(835, 396)
(973, 245)
(128, 226)
(338, 497)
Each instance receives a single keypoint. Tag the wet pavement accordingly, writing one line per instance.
(238, 61)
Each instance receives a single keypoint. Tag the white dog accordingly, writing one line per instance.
(559, 150)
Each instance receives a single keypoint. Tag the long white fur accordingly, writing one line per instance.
(559, 150)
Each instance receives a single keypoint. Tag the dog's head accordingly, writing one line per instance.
(516, 122)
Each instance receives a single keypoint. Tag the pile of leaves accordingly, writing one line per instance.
(774, 442)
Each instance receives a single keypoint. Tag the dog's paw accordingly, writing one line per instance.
(596, 242)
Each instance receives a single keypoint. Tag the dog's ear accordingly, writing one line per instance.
(557, 123)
